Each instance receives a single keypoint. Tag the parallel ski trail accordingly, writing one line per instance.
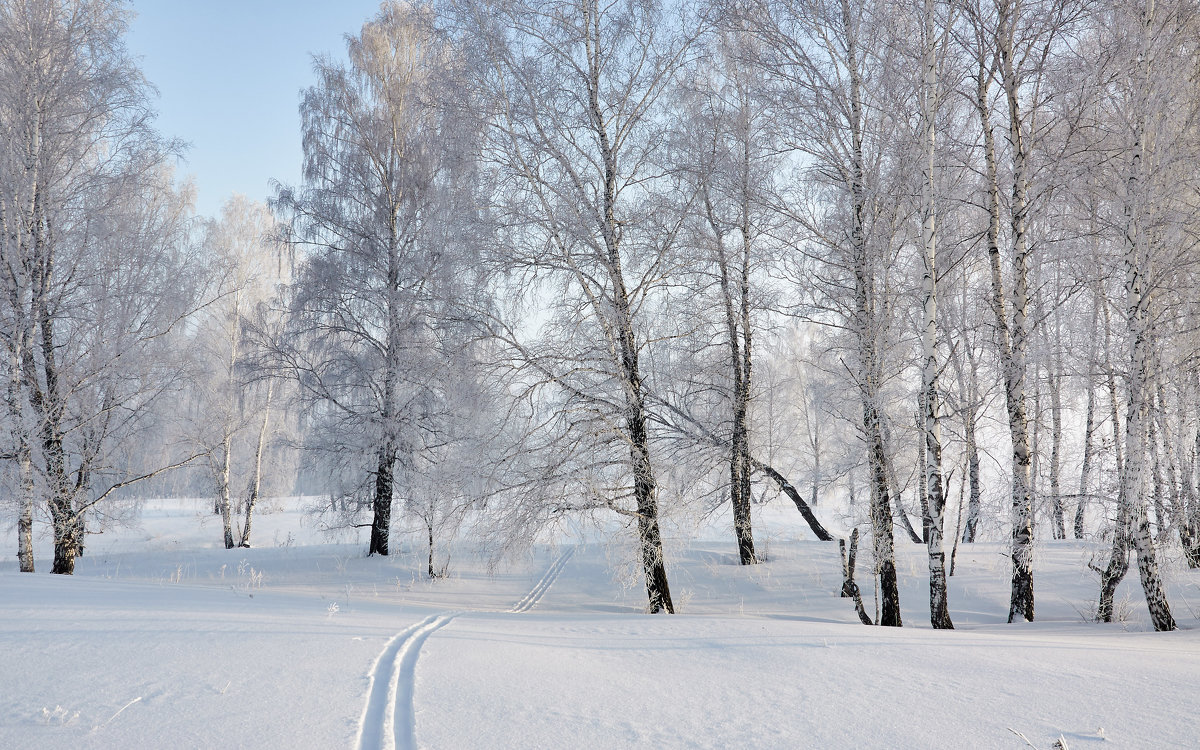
(402, 695)
(378, 728)
(389, 719)
(530, 600)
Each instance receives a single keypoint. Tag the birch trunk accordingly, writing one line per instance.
(223, 501)
(1057, 514)
(736, 306)
(24, 458)
(1158, 488)
(49, 403)
(256, 474)
(229, 388)
(742, 519)
(1089, 425)
(935, 496)
(1138, 323)
(1189, 526)
(381, 505)
(1188, 520)
(866, 324)
(968, 386)
(1013, 338)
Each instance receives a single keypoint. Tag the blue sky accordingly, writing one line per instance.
(229, 74)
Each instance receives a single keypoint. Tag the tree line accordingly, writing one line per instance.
(553, 258)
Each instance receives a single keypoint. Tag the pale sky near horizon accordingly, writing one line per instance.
(229, 76)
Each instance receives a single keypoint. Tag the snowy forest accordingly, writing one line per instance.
(922, 274)
(924, 271)
(554, 258)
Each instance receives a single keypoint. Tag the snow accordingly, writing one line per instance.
(163, 640)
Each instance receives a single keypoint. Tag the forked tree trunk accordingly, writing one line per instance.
(49, 403)
(1138, 322)
(256, 474)
(850, 589)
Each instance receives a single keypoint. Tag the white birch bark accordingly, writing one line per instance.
(252, 493)
(1138, 323)
(1014, 334)
(935, 497)
(866, 325)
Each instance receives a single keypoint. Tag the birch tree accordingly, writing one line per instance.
(234, 408)
(823, 57)
(731, 143)
(590, 219)
(1154, 133)
(378, 226)
(1009, 44)
(933, 47)
(99, 267)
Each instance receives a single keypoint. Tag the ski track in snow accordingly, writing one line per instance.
(530, 600)
(389, 718)
(387, 722)
(401, 696)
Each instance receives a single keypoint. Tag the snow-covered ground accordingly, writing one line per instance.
(161, 640)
